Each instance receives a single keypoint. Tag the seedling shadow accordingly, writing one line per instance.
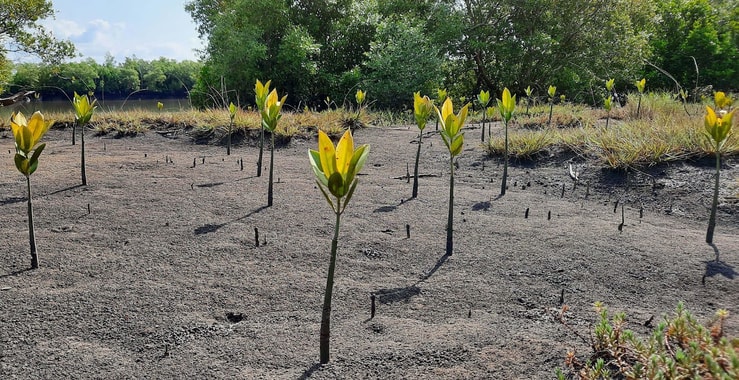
(16, 273)
(212, 227)
(309, 372)
(12, 200)
(718, 267)
(404, 294)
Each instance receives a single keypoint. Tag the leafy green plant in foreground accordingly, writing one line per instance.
(261, 91)
(27, 134)
(422, 108)
(83, 110)
(679, 348)
(453, 137)
(270, 116)
(335, 170)
(506, 106)
(717, 129)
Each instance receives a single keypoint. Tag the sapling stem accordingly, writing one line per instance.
(31, 234)
(714, 204)
(415, 167)
(326, 313)
(450, 217)
(372, 310)
(505, 162)
(271, 170)
(82, 158)
(261, 149)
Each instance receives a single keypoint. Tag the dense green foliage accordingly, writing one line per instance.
(321, 49)
(21, 33)
(700, 35)
(161, 78)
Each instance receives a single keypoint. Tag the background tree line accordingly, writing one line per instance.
(161, 78)
(314, 50)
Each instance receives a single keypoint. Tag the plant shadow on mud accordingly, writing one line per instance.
(213, 227)
(718, 267)
(404, 294)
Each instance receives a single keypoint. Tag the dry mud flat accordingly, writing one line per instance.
(151, 271)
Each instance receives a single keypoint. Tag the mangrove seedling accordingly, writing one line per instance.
(270, 116)
(506, 106)
(335, 170)
(261, 91)
(83, 110)
(717, 128)
(160, 106)
(483, 98)
(551, 92)
(607, 104)
(359, 97)
(640, 85)
(27, 134)
(453, 137)
(232, 116)
(490, 112)
(422, 108)
(608, 101)
(441, 95)
(529, 92)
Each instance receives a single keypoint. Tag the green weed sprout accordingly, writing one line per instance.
(232, 116)
(640, 85)
(422, 108)
(451, 133)
(506, 106)
(27, 134)
(335, 170)
(551, 92)
(529, 92)
(83, 110)
(270, 116)
(483, 98)
(261, 91)
(717, 129)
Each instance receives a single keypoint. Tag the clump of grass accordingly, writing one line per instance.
(524, 144)
(679, 348)
(669, 136)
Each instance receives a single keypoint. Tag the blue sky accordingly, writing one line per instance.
(148, 29)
